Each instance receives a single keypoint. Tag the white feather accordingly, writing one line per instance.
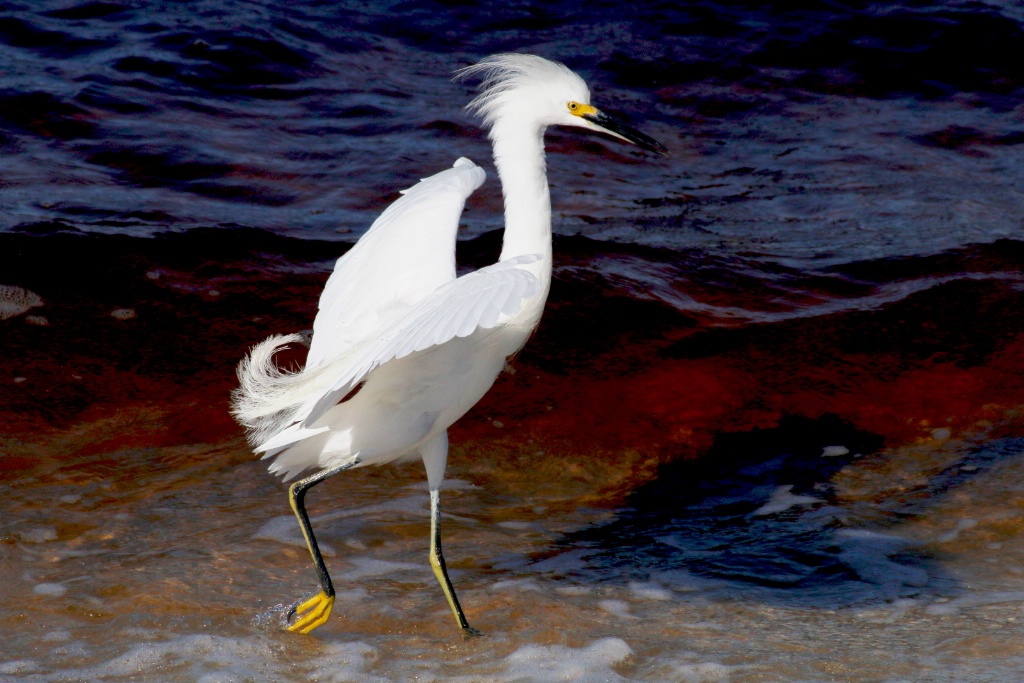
(407, 253)
(434, 321)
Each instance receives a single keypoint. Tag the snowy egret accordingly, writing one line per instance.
(401, 347)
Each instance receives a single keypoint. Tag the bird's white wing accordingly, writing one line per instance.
(479, 300)
(408, 252)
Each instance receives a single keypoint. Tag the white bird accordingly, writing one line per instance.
(401, 347)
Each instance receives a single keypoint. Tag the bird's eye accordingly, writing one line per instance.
(573, 106)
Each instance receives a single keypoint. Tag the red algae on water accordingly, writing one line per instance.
(653, 384)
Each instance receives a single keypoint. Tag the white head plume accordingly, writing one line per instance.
(524, 87)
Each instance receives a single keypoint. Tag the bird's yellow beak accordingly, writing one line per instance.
(616, 127)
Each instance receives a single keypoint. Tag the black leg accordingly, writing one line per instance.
(314, 611)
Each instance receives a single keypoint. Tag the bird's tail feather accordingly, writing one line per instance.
(268, 399)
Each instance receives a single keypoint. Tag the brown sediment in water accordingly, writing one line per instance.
(632, 379)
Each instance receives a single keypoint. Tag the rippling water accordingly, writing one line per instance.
(769, 430)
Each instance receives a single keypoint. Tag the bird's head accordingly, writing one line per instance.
(520, 89)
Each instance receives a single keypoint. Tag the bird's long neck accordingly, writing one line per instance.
(519, 156)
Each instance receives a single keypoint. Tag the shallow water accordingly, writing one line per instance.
(769, 430)
(151, 563)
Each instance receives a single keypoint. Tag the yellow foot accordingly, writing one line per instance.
(310, 613)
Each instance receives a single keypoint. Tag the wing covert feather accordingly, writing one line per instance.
(408, 252)
(457, 309)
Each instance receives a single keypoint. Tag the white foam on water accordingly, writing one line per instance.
(645, 280)
(59, 635)
(834, 451)
(219, 677)
(38, 534)
(198, 655)
(649, 590)
(617, 608)
(972, 600)
(516, 585)
(343, 662)
(783, 499)
(18, 666)
(701, 672)
(589, 664)
(961, 525)
(865, 551)
(51, 590)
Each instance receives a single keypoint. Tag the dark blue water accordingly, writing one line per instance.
(810, 130)
(833, 258)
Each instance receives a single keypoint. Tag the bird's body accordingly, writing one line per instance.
(401, 347)
(406, 402)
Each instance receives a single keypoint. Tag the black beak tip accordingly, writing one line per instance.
(659, 149)
(626, 132)
(647, 143)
